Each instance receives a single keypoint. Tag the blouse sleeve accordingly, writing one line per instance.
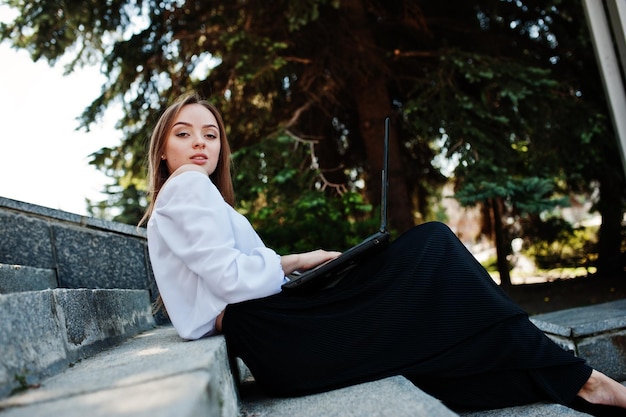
(198, 229)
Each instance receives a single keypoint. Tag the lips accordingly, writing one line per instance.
(199, 158)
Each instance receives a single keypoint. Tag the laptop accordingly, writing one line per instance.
(329, 273)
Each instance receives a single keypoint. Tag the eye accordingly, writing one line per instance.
(181, 134)
(212, 135)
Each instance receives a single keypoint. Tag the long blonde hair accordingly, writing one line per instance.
(158, 172)
(157, 167)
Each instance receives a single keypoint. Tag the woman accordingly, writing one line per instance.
(423, 308)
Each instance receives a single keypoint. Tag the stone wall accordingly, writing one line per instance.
(72, 251)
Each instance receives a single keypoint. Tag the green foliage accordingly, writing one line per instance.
(490, 264)
(288, 204)
(529, 195)
(124, 205)
(559, 245)
(301, 13)
(22, 383)
(48, 29)
(508, 90)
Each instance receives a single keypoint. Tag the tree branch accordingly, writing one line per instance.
(339, 188)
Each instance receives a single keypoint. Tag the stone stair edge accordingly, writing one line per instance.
(43, 332)
(585, 320)
(389, 397)
(68, 251)
(34, 210)
(595, 332)
(152, 374)
(20, 278)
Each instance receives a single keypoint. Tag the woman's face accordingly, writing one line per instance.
(193, 139)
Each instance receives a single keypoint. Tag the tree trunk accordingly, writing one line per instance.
(610, 234)
(503, 248)
(373, 105)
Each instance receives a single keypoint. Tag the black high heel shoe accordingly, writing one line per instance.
(598, 410)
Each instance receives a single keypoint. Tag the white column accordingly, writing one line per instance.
(607, 59)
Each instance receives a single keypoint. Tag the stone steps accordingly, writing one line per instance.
(156, 374)
(153, 374)
(77, 337)
(17, 278)
(44, 332)
(80, 363)
(70, 286)
(390, 397)
(596, 333)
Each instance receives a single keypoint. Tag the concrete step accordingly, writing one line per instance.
(154, 374)
(157, 374)
(44, 332)
(18, 278)
(533, 410)
(390, 397)
(83, 252)
(596, 333)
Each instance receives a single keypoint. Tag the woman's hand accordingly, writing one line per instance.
(306, 260)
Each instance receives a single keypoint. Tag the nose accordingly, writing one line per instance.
(199, 143)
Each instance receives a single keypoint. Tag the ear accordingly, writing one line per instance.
(163, 157)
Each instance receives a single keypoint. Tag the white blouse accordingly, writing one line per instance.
(205, 255)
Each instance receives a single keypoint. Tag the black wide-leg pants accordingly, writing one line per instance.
(423, 308)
